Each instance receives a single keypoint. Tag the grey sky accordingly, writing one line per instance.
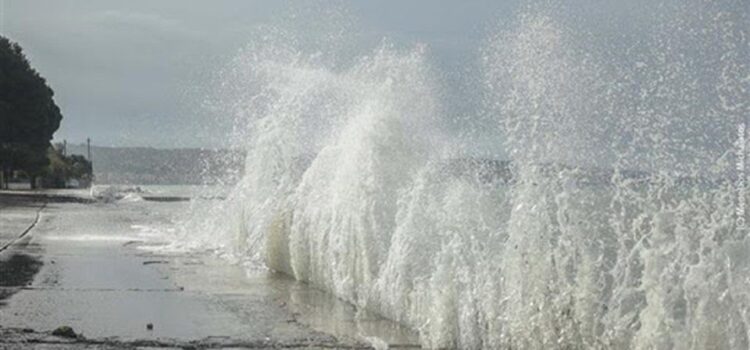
(131, 73)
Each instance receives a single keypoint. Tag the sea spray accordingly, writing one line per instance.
(613, 224)
(346, 203)
(623, 278)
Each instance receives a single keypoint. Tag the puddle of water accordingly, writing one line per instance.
(309, 306)
(16, 271)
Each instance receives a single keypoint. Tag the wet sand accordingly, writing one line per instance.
(86, 265)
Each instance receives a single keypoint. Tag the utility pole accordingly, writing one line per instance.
(91, 161)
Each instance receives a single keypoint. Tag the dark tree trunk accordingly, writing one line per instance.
(5, 183)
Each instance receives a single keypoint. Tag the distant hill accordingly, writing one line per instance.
(192, 166)
(153, 166)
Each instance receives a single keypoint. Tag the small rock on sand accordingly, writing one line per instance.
(65, 332)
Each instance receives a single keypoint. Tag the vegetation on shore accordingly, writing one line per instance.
(29, 118)
(63, 169)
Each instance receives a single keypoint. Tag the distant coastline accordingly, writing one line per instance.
(156, 166)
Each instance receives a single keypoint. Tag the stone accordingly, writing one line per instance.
(65, 332)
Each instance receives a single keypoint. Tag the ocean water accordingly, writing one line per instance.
(612, 218)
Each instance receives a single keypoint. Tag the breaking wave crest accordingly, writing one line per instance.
(613, 222)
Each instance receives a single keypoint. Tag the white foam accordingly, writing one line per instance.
(348, 187)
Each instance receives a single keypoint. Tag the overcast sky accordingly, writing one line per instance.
(133, 73)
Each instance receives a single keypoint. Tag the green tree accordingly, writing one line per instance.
(64, 168)
(28, 114)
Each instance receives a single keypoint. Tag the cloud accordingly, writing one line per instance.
(149, 22)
